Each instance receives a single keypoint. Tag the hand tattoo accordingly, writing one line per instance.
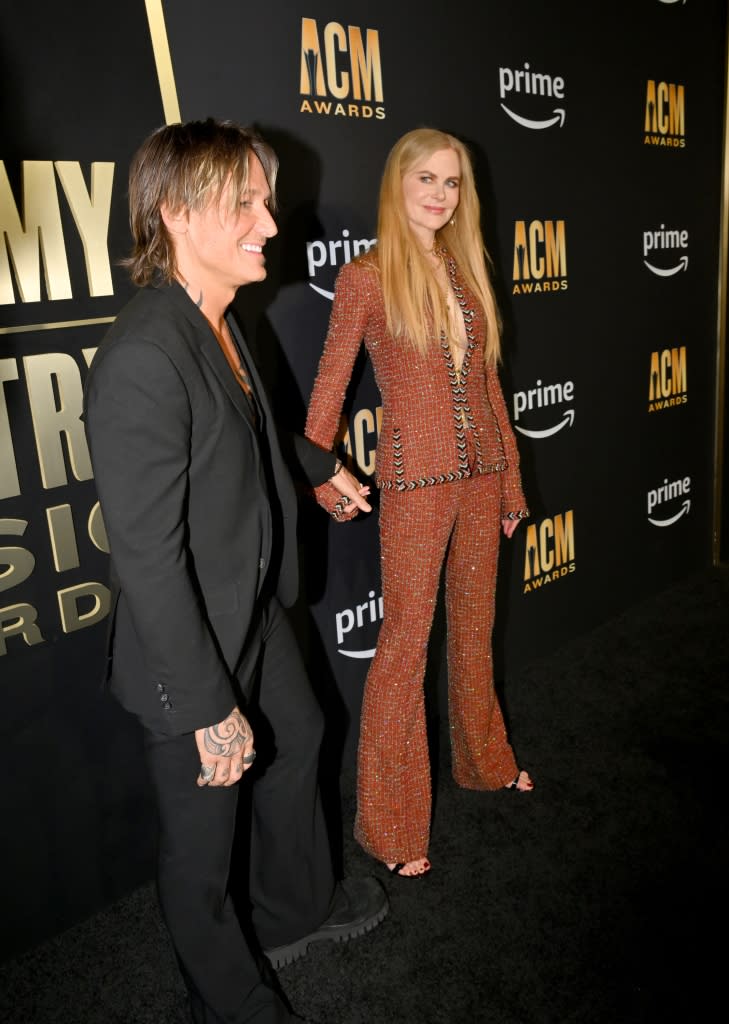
(228, 737)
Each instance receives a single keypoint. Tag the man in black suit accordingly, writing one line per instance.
(200, 512)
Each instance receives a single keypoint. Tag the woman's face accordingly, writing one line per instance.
(431, 190)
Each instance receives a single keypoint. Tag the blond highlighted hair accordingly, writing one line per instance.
(186, 167)
(414, 303)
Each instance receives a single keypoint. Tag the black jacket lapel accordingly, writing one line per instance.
(212, 351)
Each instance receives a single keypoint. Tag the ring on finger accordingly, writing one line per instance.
(207, 772)
(249, 758)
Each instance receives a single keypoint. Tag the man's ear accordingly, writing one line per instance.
(176, 221)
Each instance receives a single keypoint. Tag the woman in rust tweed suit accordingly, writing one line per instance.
(448, 470)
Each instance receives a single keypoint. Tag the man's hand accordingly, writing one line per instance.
(226, 750)
(350, 487)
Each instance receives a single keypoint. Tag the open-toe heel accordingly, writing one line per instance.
(396, 870)
(514, 784)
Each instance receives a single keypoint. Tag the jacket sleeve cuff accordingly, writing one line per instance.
(339, 508)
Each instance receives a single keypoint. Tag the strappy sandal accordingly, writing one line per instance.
(514, 784)
(397, 868)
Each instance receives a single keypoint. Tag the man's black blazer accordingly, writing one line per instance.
(198, 504)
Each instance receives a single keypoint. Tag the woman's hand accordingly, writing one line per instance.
(350, 487)
(508, 526)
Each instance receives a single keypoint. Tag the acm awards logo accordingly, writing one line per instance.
(548, 397)
(662, 242)
(675, 495)
(664, 120)
(341, 71)
(359, 621)
(667, 385)
(532, 91)
(540, 257)
(549, 554)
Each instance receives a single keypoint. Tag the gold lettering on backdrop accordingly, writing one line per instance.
(335, 42)
(564, 538)
(661, 115)
(546, 532)
(536, 261)
(650, 106)
(668, 385)
(539, 250)
(359, 439)
(667, 373)
(91, 212)
(521, 264)
(81, 605)
(366, 64)
(16, 619)
(42, 217)
(676, 110)
(19, 620)
(18, 562)
(347, 66)
(72, 619)
(56, 403)
(38, 236)
(55, 395)
(63, 538)
(548, 545)
(312, 72)
(9, 482)
(364, 423)
(556, 249)
(97, 529)
(665, 108)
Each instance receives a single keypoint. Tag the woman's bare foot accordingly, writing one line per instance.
(522, 783)
(411, 868)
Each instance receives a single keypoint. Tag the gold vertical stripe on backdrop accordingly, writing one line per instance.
(58, 324)
(171, 109)
(163, 60)
(720, 418)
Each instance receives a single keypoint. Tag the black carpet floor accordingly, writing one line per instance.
(600, 898)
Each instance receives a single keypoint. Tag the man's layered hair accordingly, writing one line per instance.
(186, 167)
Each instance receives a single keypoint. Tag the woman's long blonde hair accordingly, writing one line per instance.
(414, 303)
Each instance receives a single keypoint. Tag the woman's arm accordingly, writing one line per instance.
(347, 326)
(513, 503)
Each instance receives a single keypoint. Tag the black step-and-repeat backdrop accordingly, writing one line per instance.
(597, 139)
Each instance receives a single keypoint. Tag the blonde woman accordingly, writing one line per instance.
(448, 472)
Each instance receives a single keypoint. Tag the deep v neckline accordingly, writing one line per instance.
(456, 334)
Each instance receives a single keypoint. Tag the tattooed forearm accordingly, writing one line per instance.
(228, 737)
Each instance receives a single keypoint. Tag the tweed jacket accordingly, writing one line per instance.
(427, 407)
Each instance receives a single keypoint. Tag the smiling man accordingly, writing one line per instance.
(201, 516)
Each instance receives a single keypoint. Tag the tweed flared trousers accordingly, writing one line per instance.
(458, 521)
